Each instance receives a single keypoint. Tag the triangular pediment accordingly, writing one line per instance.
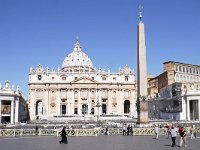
(84, 80)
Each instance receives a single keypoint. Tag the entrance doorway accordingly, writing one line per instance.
(194, 110)
(84, 109)
(104, 109)
(39, 109)
(126, 107)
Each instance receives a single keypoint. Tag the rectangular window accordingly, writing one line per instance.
(183, 69)
(75, 110)
(75, 78)
(114, 79)
(193, 71)
(126, 78)
(63, 78)
(92, 78)
(104, 78)
(187, 69)
(39, 77)
(63, 109)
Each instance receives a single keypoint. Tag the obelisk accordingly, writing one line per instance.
(142, 104)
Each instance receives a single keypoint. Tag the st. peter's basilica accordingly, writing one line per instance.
(78, 89)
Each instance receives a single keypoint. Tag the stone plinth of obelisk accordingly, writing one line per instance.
(142, 109)
(142, 104)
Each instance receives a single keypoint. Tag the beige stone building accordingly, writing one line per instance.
(179, 92)
(79, 89)
(13, 106)
(152, 86)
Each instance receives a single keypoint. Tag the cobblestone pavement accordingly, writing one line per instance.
(95, 143)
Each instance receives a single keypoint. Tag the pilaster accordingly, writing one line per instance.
(199, 108)
(72, 101)
(79, 102)
(89, 101)
(0, 111)
(12, 112)
(188, 110)
(17, 110)
(109, 102)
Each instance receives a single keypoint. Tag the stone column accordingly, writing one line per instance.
(47, 103)
(79, 103)
(199, 108)
(89, 102)
(119, 102)
(188, 110)
(58, 101)
(72, 101)
(122, 102)
(32, 105)
(132, 104)
(12, 112)
(96, 100)
(0, 112)
(17, 110)
(100, 102)
(68, 102)
(109, 102)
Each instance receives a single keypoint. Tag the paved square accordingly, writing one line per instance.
(117, 142)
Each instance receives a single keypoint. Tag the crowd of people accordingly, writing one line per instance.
(177, 132)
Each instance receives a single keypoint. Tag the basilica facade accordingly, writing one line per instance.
(79, 89)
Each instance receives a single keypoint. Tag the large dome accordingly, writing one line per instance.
(77, 59)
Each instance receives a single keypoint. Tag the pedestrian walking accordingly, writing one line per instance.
(183, 137)
(63, 136)
(192, 133)
(156, 131)
(128, 130)
(124, 130)
(36, 130)
(173, 135)
(107, 133)
(131, 130)
(168, 132)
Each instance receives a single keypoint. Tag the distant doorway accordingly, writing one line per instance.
(194, 110)
(126, 107)
(84, 109)
(39, 109)
(104, 109)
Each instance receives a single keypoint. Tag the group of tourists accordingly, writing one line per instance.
(127, 130)
(174, 132)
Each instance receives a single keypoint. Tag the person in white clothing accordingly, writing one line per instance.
(156, 130)
(174, 132)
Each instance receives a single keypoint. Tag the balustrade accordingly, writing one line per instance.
(80, 132)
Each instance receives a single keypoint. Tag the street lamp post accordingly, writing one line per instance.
(98, 106)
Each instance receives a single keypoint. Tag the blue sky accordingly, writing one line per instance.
(43, 32)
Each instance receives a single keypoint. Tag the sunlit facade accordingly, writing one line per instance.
(79, 89)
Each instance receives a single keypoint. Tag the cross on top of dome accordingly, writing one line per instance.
(77, 46)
